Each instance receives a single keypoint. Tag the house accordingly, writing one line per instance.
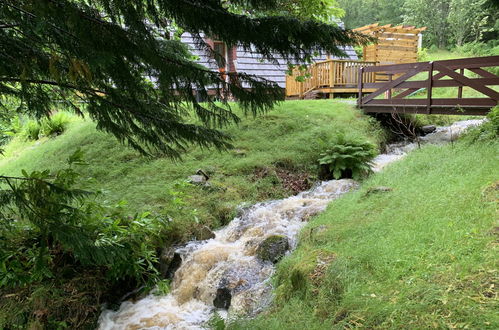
(237, 59)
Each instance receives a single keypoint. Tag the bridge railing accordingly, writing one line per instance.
(404, 80)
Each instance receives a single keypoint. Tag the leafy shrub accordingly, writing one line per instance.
(32, 130)
(48, 225)
(423, 55)
(56, 124)
(345, 155)
(481, 49)
(488, 131)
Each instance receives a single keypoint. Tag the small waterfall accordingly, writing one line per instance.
(229, 261)
(441, 135)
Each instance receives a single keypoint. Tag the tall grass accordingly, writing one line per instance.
(423, 255)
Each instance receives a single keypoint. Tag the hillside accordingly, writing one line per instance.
(270, 152)
(274, 156)
(421, 255)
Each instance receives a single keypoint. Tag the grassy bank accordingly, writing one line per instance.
(423, 255)
(273, 156)
(287, 137)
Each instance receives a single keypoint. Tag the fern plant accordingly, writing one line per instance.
(344, 155)
(55, 125)
(32, 130)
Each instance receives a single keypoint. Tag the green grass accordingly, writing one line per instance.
(268, 151)
(423, 255)
(286, 138)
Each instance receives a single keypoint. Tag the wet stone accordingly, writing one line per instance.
(223, 298)
(197, 179)
(273, 248)
(169, 262)
(428, 129)
(205, 233)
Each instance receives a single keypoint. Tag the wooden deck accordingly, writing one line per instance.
(391, 96)
(328, 77)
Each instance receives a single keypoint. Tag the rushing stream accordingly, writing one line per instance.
(229, 261)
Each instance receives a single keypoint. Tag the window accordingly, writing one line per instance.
(220, 54)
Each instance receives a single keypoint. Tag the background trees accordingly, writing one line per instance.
(450, 22)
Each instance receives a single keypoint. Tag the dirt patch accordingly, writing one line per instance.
(294, 181)
(491, 193)
(323, 262)
(290, 179)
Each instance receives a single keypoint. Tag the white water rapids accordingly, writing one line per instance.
(230, 260)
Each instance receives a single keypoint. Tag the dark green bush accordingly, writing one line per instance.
(32, 130)
(488, 131)
(48, 225)
(348, 154)
(55, 125)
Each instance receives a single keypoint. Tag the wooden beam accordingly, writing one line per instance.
(467, 81)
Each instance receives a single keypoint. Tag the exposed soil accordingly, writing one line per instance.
(291, 180)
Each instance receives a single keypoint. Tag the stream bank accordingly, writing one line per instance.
(229, 263)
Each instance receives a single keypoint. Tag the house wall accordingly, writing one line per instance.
(250, 62)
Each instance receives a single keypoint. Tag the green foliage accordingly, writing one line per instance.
(51, 126)
(163, 287)
(363, 12)
(466, 20)
(449, 22)
(420, 256)
(346, 154)
(488, 131)
(326, 11)
(55, 124)
(46, 220)
(423, 55)
(32, 130)
(108, 53)
(216, 322)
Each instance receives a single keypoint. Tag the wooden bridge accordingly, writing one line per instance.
(411, 87)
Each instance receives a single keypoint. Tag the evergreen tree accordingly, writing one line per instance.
(112, 59)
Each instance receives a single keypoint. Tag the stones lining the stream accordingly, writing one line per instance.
(427, 129)
(273, 248)
(223, 298)
(169, 262)
(204, 233)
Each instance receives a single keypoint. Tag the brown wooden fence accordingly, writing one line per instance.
(404, 80)
(330, 76)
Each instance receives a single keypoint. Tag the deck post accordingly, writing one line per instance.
(332, 73)
(429, 88)
(460, 88)
(360, 85)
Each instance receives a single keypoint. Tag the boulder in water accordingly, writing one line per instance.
(205, 233)
(427, 129)
(169, 262)
(273, 248)
(223, 298)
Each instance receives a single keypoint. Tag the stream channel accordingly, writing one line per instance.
(228, 265)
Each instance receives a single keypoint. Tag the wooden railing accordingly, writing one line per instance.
(327, 74)
(396, 90)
